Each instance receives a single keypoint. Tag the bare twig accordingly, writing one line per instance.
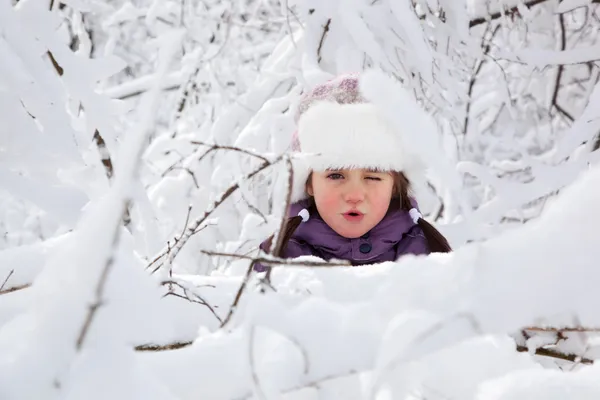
(239, 293)
(108, 167)
(288, 199)
(214, 147)
(559, 73)
(12, 271)
(556, 354)
(166, 88)
(496, 15)
(100, 285)
(288, 24)
(186, 291)
(313, 383)
(280, 234)
(325, 30)
(187, 220)
(196, 227)
(257, 387)
(189, 171)
(479, 66)
(15, 288)
(165, 347)
(564, 329)
(190, 85)
(104, 154)
(254, 208)
(59, 70)
(277, 261)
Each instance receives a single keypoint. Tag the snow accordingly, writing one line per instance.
(512, 181)
(570, 5)
(469, 301)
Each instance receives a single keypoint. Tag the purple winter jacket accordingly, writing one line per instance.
(394, 236)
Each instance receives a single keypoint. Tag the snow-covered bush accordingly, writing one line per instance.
(143, 158)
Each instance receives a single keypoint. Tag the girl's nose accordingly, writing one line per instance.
(354, 193)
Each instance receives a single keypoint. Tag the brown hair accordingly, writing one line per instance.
(436, 242)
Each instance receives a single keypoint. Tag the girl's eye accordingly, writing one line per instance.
(334, 176)
(373, 178)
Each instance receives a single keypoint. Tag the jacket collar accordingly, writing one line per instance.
(382, 238)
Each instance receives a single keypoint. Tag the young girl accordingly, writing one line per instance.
(351, 184)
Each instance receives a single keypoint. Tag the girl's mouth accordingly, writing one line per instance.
(353, 216)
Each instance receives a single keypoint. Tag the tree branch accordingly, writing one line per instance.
(559, 73)
(158, 347)
(215, 147)
(239, 293)
(181, 241)
(101, 284)
(198, 299)
(279, 261)
(496, 15)
(278, 248)
(473, 79)
(12, 271)
(562, 330)
(556, 354)
(325, 30)
(15, 288)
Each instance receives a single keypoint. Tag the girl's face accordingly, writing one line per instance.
(351, 201)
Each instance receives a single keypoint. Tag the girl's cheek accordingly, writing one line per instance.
(384, 197)
(327, 198)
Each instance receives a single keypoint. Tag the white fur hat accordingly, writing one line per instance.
(339, 129)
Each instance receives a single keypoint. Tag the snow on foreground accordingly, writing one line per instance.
(427, 327)
(434, 327)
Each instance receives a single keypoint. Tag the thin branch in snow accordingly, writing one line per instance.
(280, 261)
(186, 296)
(197, 225)
(257, 387)
(215, 147)
(254, 209)
(167, 87)
(189, 171)
(156, 347)
(239, 293)
(15, 288)
(478, 68)
(325, 30)
(557, 354)
(496, 15)
(400, 358)
(288, 199)
(564, 329)
(133, 148)
(279, 235)
(108, 166)
(185, 226)
(104, 154)
(202, 302)
(559, 73)
(315, 383)
(100, 285)
(6, 280)
(93, 308)
(288, 24)
(59, 70)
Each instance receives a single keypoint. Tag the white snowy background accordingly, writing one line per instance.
(143, 159)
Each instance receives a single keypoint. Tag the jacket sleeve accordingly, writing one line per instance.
(414, 242)
(293, 249)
